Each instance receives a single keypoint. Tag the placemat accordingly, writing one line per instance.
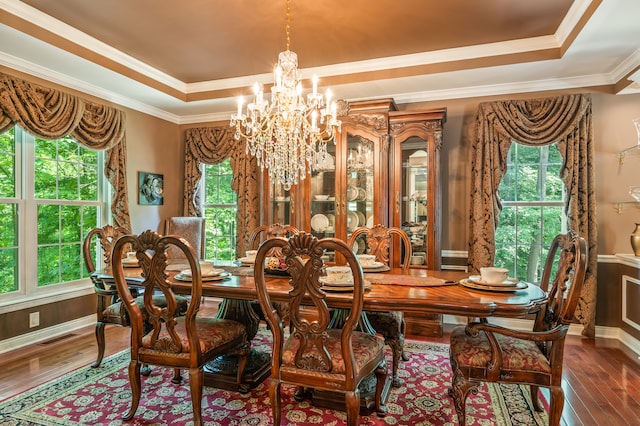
(407, 280)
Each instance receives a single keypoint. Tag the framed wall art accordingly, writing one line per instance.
(150, 188)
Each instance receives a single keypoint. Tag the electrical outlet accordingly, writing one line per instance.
(34, 319)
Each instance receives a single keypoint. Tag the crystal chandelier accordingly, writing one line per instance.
(289, 135)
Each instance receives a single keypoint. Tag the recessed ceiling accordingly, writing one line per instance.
(186, 61)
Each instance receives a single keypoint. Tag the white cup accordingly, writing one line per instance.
(366, 259)
(492, 274)
(339, 273)
(131, 256)
(206, 267)
(251, 254)
(417, 260)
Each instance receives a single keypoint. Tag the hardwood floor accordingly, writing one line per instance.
(601, 384)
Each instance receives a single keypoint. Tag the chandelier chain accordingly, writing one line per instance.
(288, 27)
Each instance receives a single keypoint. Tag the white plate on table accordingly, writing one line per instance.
(344, 288)
(247, 261)
(375, 267)
(499, 288)
(214, 272)
(181, 277)
(130, 264)
(509, 282)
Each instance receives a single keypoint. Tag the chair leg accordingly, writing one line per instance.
(196, 381)
(381, 378)
(274, 396)
(243, 359)
(459, 391)
(136, 388)
(101, 344)
(534, 398)
(177, 377)
(353, 407)
(556, 405)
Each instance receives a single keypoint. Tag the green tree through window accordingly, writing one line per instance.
(49, 198)
(532, 195)
(220, 210)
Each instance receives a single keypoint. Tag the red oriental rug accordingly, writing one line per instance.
(100, 396)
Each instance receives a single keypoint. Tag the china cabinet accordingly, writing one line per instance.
(383, 168)
(415, 188)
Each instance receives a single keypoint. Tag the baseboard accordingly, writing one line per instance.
(43, 334)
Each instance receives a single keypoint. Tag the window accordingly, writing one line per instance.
(52, 188)
(532, 195)
(220, 210)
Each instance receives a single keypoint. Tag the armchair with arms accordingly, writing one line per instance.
(483, 352)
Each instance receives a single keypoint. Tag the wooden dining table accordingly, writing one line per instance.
(413, 290)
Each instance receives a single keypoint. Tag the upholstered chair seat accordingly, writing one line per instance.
(116, 313)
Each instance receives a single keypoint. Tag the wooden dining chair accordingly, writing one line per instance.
(109, 309)
(483, 352)
(314, 355)
(258, 235)
(192, 229)
(175, 341)
(390, 324)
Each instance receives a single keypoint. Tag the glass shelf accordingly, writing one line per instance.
(620, 204)
(634, 150)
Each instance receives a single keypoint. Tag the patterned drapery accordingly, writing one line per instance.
(565, 120)
(51, 114)
(212, 145)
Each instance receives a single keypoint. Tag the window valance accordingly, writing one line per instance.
(566, 120)
(50, 114)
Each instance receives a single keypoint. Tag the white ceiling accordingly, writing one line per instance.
(107, 62)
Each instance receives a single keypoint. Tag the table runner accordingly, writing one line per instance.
(408, 280)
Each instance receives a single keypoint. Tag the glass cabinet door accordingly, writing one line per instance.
(280, 203)
(322, 193)
(415, 195)
(415, 181)
(359, 190)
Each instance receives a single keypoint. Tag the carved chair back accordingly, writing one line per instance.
(379, 241)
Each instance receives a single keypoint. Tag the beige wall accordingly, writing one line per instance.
(155, 146)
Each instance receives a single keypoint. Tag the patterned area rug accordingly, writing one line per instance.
(100, 396)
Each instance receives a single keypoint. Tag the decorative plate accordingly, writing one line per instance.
(369, 223)
(319, 222)
(247, 261)
(352, 221)
(352, 193)
(361, 219)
